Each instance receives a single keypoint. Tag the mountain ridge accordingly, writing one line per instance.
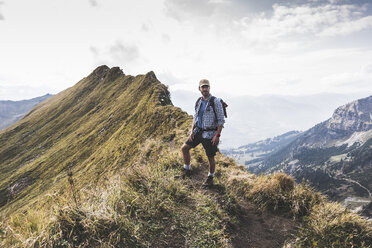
(63, 115)
(95, 166)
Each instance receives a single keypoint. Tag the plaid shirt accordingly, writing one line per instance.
(209, 119)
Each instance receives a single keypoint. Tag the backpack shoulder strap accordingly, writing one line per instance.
(211, 102)
(197, 102)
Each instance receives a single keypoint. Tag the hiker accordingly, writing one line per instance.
(206, 129)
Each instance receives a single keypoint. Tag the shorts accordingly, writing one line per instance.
(210, 149)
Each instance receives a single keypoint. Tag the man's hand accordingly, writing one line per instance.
(191, 136)
(215, 140)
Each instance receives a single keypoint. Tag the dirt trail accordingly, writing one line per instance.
(256, 229)
(261, 230)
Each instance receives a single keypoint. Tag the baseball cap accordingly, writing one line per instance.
(203, 82)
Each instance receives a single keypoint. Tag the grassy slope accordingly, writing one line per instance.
(118, 140)
(94, 127)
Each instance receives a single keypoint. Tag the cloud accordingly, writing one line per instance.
(289, 82)
(205, 17)
(169, 78)
(95, 51)
(184, 99)
(2, 18)
(118, 53)
(303, 24)
(127, 53)
(351, 81)
(165, 38)
(185, 9)
(93, 3)
(347, 28)
(145, 28)
(267, 22)
(367, 69)
(21, 91)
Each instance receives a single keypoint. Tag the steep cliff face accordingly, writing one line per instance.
(335, 155)
(353, 117)
(349, 124)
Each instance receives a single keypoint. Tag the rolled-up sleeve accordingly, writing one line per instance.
(219, 112)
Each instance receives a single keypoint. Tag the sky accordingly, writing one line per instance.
(245, 48)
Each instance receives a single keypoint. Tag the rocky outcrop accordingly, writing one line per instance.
(335, 155)
(353, 117)
(348, 120)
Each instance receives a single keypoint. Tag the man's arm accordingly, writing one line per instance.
(219, 130)
(216, 138)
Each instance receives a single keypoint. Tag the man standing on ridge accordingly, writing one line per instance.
(206, 129)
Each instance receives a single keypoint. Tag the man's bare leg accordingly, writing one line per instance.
(212, 167)
(186, 172)
(186, 154)
(212, 164)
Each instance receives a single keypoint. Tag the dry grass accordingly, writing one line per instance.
(277, 193)
(330, 225)
(144, 207)
(323, 224)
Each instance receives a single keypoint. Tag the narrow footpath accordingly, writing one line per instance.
(256, 229)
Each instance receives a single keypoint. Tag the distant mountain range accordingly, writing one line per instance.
(12, 111)
(335, 155)
(258, 151)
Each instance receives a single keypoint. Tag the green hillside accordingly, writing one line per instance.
(94, 166)
(94, 128)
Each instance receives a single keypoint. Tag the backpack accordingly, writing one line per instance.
(211, 103)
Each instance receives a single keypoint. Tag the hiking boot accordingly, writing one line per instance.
(208, 182)
(184, 174)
